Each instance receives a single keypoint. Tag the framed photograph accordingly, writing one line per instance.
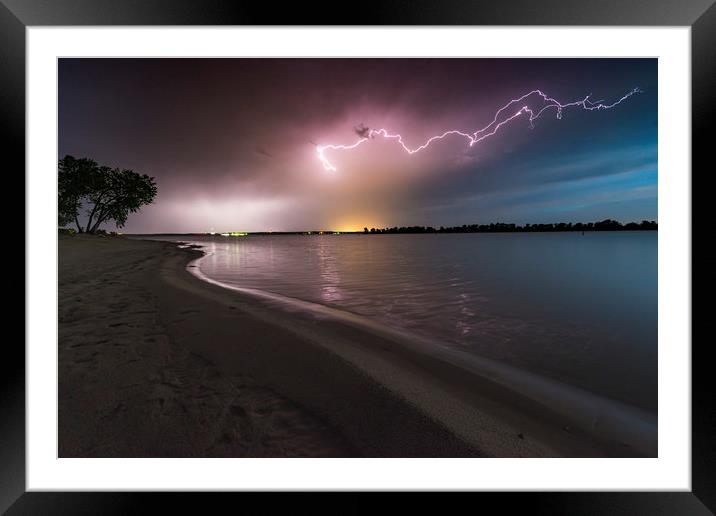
(430, 248)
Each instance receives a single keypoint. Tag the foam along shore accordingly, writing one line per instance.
(193, 368)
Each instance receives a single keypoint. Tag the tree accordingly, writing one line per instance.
(74, 180)
(106, 194)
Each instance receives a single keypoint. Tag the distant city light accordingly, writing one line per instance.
(233, 234)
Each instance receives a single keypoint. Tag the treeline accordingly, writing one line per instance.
(499, 227)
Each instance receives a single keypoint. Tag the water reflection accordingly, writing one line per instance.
(329, 274)
(578, 308)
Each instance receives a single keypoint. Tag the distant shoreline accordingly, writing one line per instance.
(495, 227)
(383, 232)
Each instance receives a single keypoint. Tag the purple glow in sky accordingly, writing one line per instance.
(503, 116)
(252, 144)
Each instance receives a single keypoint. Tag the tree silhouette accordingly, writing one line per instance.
(501, 227)
(106, 194)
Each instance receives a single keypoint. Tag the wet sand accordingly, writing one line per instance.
(154, 362)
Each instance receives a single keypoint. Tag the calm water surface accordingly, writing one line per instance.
(578, 308)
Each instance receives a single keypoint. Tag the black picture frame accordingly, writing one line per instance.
(700, 15)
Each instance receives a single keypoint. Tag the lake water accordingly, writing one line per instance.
(581, 309)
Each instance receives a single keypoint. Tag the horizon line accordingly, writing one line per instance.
(427, 228)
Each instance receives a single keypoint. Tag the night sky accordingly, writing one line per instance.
(232, 142)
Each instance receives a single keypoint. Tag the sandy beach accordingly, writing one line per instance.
(155, 362)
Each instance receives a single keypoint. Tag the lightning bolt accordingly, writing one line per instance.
(503, 116)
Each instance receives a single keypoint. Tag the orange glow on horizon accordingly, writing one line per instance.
(356, 224)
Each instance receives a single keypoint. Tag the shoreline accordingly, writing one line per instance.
(612, 427)
(367, 396)
(348, 233)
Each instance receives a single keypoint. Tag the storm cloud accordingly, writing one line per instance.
(232, 142)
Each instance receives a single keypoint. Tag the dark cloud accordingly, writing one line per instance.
(361, 130)
(263, 152)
